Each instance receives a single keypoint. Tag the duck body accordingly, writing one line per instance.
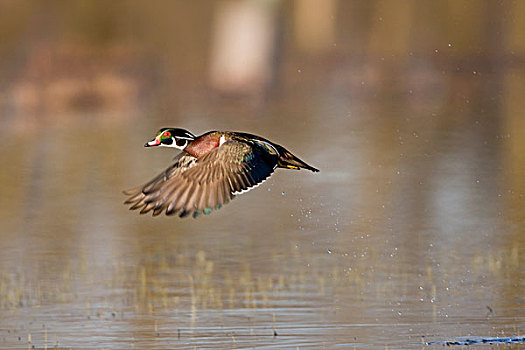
(210, 171)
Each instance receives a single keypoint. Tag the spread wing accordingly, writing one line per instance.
(199, 185)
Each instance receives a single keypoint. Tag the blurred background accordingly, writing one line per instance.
(412, 231)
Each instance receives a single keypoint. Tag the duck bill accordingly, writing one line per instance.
(154, 142)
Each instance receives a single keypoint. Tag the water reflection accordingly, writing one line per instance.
(412, 228)
(390, 243)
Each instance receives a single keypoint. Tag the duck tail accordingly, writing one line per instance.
(289, 161)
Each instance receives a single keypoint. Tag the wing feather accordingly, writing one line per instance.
(192, 186)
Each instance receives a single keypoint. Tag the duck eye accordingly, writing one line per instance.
(181, 142)
(167, 134)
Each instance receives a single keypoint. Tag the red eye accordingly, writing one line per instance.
(167, 134)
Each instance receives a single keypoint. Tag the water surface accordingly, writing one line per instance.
(411, 233)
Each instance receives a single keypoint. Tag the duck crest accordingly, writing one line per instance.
(203, 144)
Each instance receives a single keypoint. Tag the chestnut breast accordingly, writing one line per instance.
(203, 145)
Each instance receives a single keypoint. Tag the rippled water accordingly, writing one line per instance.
(412, 232)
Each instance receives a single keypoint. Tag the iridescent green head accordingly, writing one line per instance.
(171, 137)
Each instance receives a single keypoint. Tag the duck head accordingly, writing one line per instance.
(171, 137)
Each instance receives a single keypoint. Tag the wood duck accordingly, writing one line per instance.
(210, 171)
